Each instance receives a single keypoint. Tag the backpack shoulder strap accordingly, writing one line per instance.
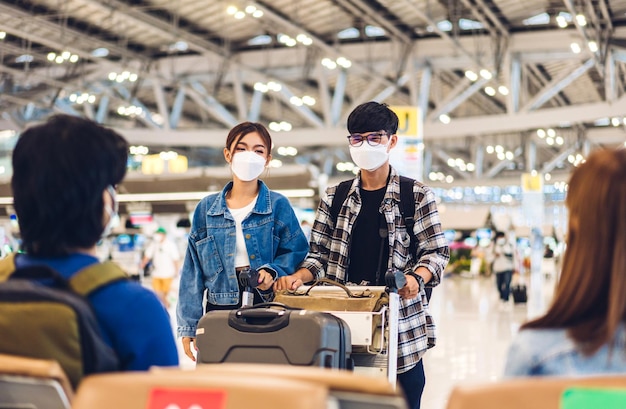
(7, 267)
(95, 276)
(341, 193)
(407, 208)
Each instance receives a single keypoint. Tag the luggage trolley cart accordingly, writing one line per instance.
(372, 355)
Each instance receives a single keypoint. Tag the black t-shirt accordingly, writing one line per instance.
(365, 243)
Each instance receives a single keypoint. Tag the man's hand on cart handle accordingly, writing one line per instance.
(293, 281)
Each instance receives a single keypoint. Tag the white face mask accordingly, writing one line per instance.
(112, 212)
(369, 157)
(501, 241)
(247, 165)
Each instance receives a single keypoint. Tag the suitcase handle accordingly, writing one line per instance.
(260, 318)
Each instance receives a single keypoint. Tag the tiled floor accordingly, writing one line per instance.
(473, 333)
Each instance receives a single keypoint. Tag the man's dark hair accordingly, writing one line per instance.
(60, 171)
(373, 116)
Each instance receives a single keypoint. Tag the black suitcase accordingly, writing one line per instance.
(519, 293)
(274, 333)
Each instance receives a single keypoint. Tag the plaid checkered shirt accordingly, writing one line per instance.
(330, 248)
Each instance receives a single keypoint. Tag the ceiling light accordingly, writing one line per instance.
(575, 48)
(471, 75)
(274, 86)
(551, 133)
(308, 100)
(73, 58)
(3, 35)
(503, 90)
(296, 101)
(257, 14)
(66, 55)
(486, 74)
(259, 86)
(51, 56)
(100, 52)
(328, 63)
(615, 121)
(489, 149)
(112, 76)
(239, 15)
(561, 22)
(559, 140)
(582, 21)
(250, 9)
(550, 141)
(445, 119)
(490, 91)
(541, 133)
(231, 10)
(344, 62)
(593, 46)
(58, 59)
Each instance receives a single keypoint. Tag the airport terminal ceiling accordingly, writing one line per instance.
(503, 87)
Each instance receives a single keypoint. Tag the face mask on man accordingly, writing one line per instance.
(247, 165)
(369, 157)
(112, 212)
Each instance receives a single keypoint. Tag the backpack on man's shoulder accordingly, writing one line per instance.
(407, 209)
(43, 315)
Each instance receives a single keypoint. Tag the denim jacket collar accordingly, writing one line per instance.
(263, 204)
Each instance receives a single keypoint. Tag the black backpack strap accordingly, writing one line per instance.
(407, 208)
(341, 194)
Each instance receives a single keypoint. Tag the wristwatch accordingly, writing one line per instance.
(419, 278)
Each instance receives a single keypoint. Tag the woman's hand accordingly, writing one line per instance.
(266, 279)
(187, 341)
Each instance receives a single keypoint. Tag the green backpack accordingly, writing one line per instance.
(43, 315)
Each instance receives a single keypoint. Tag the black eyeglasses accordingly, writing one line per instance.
(373, 139)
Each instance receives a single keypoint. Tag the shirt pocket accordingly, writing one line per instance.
(401, 248)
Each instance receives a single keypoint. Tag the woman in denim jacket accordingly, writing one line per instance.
(583, 331)
(244, 226)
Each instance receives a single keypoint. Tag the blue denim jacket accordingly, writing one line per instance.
(274, 241)
(550, 352)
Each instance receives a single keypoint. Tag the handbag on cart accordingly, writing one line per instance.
(329, 295)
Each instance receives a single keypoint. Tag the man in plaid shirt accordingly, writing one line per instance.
(351, 250)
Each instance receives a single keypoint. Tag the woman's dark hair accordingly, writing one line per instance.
(590, 297)
(60, 171)
(239, 131)
(371, 117)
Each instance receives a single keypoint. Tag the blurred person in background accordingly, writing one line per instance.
(583, 332)
(165, 258)
(503, 266)
(245, 226)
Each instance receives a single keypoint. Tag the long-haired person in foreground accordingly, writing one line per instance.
(245, 226)
(583, 331)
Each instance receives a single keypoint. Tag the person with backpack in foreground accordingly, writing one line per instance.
(368, 236)
(64, 176)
